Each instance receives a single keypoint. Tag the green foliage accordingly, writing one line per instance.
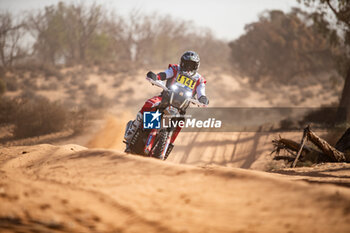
(100, 48)
(72, 34)
(64, 32)
(281, 47)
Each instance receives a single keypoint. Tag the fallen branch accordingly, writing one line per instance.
(289, 145)
(327, 152)
(303, 140)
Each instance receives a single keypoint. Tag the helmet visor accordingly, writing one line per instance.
(189, 66)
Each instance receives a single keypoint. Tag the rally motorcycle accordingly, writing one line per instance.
(175, 100)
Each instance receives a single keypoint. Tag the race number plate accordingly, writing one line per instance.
(186, 81)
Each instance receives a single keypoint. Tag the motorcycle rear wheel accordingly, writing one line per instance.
(138, 143)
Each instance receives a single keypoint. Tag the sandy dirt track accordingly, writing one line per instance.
(69, 188)
(230, 149)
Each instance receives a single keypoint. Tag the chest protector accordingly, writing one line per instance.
(195, 80)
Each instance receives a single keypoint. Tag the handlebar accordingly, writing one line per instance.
(196, 102)
(160, 84)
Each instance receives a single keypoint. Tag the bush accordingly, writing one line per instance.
(49, 86)
(29, 84)
(2, 87)
(322, 117)
(78, 121)
(34, 118)
(29, 94)
(51, 71)
(8, 108)
(11, 84)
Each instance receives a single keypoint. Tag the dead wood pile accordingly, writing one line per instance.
(322, 151)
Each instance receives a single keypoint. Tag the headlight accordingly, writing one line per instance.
(188, 94)
(174, 87)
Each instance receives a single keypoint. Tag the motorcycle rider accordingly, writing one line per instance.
(189, 64)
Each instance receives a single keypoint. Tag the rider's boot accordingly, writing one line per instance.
(132, 127)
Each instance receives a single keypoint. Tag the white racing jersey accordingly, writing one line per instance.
(196, 83)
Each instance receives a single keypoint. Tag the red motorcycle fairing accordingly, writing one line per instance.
(150, 141)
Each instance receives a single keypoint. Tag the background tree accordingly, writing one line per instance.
(282, 47)
(11, 33)
(64, 33)
(155, 39)
(341, 10)
(48, 27)
(72, 34)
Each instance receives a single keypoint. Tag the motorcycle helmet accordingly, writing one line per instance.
(189, 63)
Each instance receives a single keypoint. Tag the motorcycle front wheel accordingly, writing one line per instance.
(160, 144)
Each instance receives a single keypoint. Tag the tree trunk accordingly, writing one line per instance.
(344, 104)
(343, 143)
